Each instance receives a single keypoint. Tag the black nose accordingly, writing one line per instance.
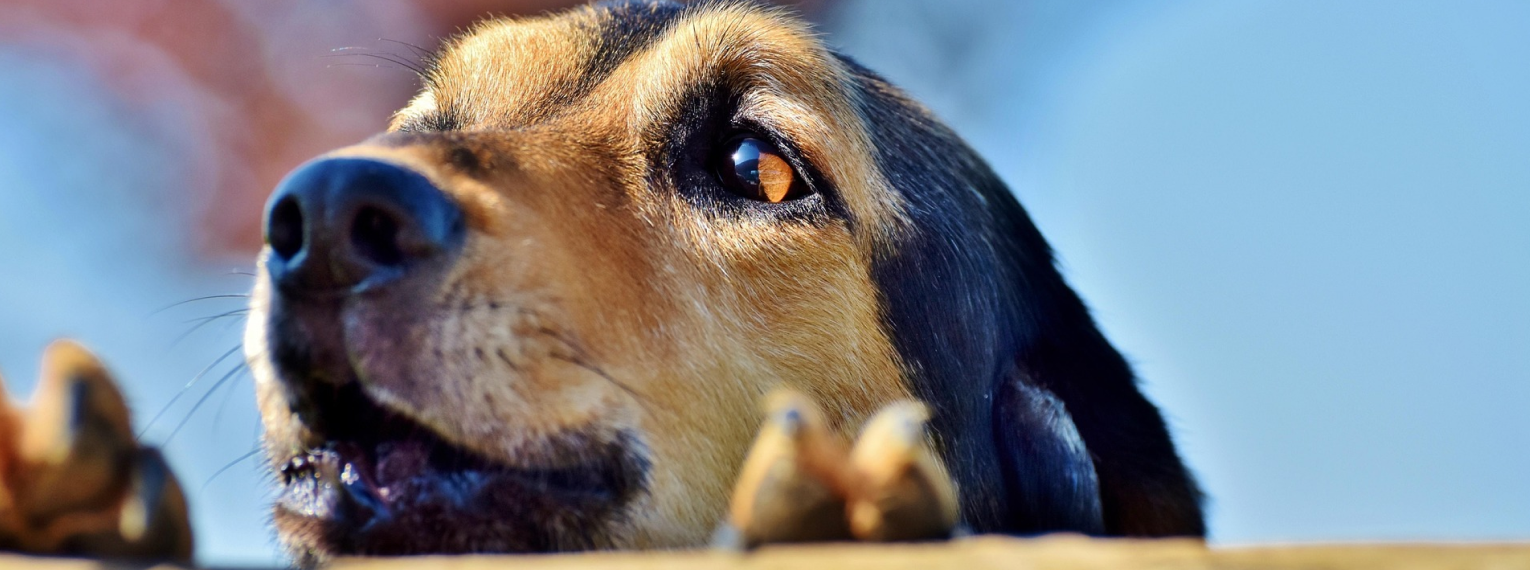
(345, 225)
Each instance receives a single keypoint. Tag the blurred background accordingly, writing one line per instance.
(1307, 222)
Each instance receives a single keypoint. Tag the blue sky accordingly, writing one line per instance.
(1306, 223)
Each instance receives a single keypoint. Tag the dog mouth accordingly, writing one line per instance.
(386, 462)
(377, 482)
(359, 476)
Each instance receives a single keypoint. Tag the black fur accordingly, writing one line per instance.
(1047, 468)
(624, 27)
(989, 331)
(628, 26)
(1005, 353)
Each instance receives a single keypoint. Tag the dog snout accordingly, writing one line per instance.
(345, 225)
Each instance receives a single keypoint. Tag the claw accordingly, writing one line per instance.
(77, 441)
(153, 520)
(904, 492)
(793, 484)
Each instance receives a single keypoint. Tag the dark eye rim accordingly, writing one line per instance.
(803, 185)
(685, 155)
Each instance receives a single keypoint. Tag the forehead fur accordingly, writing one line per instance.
(626, 71)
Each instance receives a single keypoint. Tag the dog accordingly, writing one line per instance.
(541, 312)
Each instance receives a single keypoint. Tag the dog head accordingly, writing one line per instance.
(539, 312)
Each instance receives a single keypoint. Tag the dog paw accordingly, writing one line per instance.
(793, 485)
(802, 483)
(73, 478)
(902, 492)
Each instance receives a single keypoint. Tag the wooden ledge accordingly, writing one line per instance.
(982, 553)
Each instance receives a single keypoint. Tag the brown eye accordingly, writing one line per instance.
(752, 167)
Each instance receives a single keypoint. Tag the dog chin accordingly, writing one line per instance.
(405, 491)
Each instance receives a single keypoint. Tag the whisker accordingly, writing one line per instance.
(230, 465)
(218, 414)
(205, 395)
(581, 359)
(217, 316)
(422, 52)
(184, 389)
(374, 65)
(204, 321)
(395, 58)
(388, 57)
(231, 322)
(193, 300)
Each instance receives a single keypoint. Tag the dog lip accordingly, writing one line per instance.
(363, 446)
(373, 478)
(336, 502)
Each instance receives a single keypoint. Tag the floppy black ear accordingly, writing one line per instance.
(1047, 469)
(1030, 402)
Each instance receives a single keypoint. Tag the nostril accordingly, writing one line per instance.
(339, 225)
(375, 235)
(284, 230)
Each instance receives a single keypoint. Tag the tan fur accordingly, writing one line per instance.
(587, 300)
